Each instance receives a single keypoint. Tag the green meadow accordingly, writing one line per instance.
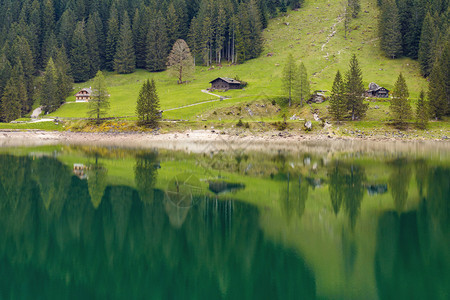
(314, 35)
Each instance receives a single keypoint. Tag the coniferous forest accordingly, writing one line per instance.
(54, 43)
(70, 40)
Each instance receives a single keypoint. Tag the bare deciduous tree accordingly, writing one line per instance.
(180, 62)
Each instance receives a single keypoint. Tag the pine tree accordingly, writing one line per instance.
(140, 30)
(439, 85)
(64, 79)
(180, 62)
(125, 59)
(355, 90)
(14, 95)
(422, 111)
(400, 107)
(290, 77)
(389, 27)
(49, 91)
(5, 73)
(143, 103)
(338, 105)
(173, 24)
(426, 45)
(303, 91)
(154, 111)
(157, 47)
(79, 58)
(93, 46)
(99, 103)
(112, 38)
(10, 105)
(22, 55)
(67, 25)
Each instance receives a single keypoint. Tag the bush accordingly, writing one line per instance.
(240, 123)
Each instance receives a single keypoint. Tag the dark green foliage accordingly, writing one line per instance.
(49, 90)
(422, 111)
(439, 85)
(355, 90)
(93, 44)
(338, 104)
(426, 46)
(400, 107)
(79, 58)
(112, 38)
(389, 28)
(157, 44)
(147, 106)
(125, 60)
(14, 95)
(99, 103)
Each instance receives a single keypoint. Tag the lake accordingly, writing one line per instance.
(86, 222)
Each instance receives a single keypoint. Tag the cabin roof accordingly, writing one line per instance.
(227, 80)
(88, 90)
(373, 87)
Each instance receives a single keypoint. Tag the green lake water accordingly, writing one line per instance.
(109, 223)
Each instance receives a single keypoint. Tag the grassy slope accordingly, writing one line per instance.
(308, 30)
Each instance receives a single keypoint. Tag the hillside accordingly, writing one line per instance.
(314, 34)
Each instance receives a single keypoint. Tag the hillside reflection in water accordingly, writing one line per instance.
(112, 223)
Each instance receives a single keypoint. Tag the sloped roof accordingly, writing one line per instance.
(226, 79)
(373, 87)
(88, 90)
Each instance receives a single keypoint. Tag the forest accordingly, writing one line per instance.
(46, 45)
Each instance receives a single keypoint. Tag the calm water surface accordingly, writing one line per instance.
(109, 223)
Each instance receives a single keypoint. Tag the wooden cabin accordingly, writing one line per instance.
(84, 95)
(223, 83)
(377, 91)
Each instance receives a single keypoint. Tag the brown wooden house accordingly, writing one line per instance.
(84, 95)
(377, 91)
(223, 83)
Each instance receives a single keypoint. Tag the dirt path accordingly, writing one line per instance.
(221, 98)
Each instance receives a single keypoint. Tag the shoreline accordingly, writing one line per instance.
(203, 141)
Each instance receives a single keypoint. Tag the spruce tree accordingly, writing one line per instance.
(21, 54)
(154, 110)
(302, 86)
(143, 103)
(400, 107)
(173, 24)
(99, 103)
(67, 25)
(125, 59)
(64, 79)
(93, 46)
(157, 47)
(422, 111)
(290, 77)
(79, 58)
(389, 27)
(439, 85)
(49, 91)
(140, 30)
(355, 90)
(5, 73)
(11, 107)
(426, 45)
(338, 105)
(112, 38)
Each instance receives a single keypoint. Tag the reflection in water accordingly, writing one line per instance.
(399, 182)
(123, 246)
(346, 187)
(171, 232)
